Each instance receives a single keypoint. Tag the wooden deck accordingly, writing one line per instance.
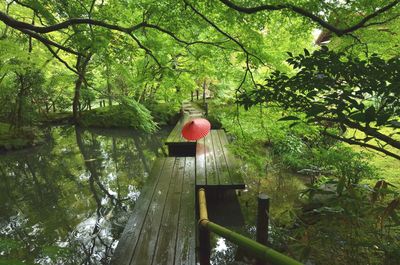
(177, 145)
(216, 167)
(162, 228)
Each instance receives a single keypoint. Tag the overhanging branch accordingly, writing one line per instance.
(305, 13)
(369, 146)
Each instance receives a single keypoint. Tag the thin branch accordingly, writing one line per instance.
(221, 31)
(147, 50)
(367, 130)
(47, 41)
(23, 27)
(305, 13)
(60, 59)
(370, 146)
(36, 12)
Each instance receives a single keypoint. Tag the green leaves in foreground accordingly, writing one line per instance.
(336, 90)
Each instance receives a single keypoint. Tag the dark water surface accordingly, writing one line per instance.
(67, 202)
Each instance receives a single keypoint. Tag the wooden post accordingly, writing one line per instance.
(262, 219)
(206, 108)
(192, 96)
(197, 94)
(205, 246)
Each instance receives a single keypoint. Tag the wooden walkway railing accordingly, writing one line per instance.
(263, 253)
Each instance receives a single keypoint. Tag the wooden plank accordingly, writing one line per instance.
(201, 163)
(185, 251)
(211, 171)
(166, 241)
(131, 233)
(224, 177)
(233, 166)
(175, 134)
(144, 251)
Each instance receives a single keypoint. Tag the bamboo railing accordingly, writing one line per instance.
(261, 252)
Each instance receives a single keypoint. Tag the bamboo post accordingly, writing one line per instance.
(248, 245)
(262, 219)
(204, 233)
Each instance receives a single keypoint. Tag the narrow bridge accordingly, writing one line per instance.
(163, 228)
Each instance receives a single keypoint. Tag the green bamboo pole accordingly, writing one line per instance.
(258, 250)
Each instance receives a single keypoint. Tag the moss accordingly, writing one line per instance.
(27, 137)
(57, 118)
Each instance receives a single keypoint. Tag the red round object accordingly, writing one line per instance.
(196, 129)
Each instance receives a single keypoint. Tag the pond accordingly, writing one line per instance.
(67, 202)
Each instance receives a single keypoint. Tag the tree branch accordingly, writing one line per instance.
(221, 31)
(25, 27)
(147, 50)
(370, 146)
(47, 41)
(60, 59)
(308, 14)
(367, 130)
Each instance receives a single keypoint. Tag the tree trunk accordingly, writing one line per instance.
(81, 67)
(108, 85)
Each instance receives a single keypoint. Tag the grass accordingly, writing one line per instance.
(387, 167)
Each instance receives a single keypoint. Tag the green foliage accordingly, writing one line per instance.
(129, 114)
(337, 218)
(334, 89)
(164, 113)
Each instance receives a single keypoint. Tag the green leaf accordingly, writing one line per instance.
(289, 118)
(316, 109)
(382, 119)
(358, 116)
(370, 114)
(294, 124)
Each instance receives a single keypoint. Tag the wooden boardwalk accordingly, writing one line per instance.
(162, 228)
(216, 168)
(177, 145)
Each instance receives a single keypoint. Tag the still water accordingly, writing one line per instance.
(67, 201)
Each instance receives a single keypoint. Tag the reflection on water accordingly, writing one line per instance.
(67, 202)
(283, 189)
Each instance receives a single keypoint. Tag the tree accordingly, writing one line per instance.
(337, 90)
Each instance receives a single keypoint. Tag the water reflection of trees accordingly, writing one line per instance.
(67, 202)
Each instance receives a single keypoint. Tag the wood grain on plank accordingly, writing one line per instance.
(211, 170)
(185, 251)
(146, 244)
(131, 233)
(166, 242)
(201, 163)
(221, 165)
